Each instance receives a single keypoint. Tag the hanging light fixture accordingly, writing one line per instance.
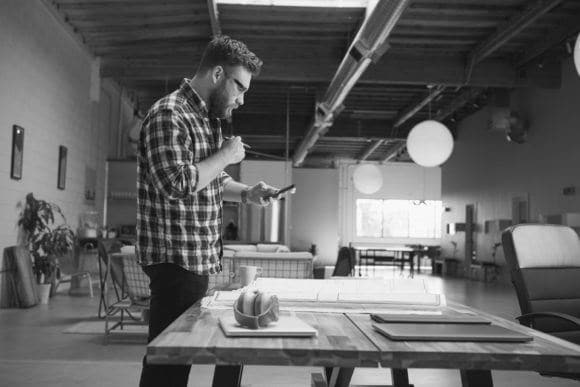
(577, 54)
(429, 143)
(367, 178)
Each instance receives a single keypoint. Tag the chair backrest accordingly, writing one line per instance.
(345, 262)
(105, 248)
(544, 263)
(135, 279)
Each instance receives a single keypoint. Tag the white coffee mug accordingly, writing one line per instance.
(247, 274)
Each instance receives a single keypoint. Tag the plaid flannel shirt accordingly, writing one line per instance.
(174, 223)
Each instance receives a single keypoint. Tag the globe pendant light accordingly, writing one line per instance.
(429, 143)
(577, 54)
(367, 178)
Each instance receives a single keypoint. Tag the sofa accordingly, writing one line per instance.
(276, 261)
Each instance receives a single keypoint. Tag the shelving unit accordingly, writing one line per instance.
(121, 198)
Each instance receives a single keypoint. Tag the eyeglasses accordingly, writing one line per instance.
(240, 85)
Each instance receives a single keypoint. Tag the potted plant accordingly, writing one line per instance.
(45, 242)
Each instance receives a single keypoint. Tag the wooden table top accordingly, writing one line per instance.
(544, 353)
(196, 338)
(348, 340)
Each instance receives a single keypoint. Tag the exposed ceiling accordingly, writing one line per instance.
(443, 58)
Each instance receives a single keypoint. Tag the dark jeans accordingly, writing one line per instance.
(173, 290)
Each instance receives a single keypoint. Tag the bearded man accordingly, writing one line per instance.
(181, 186)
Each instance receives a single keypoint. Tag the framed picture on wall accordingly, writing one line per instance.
(17, 152)
(61, 167)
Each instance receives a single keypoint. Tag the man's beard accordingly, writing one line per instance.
(218, 105)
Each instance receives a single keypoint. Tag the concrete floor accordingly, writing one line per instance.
(34, 351)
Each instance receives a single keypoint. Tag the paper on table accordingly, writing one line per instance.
(338, 294)
(393, 298)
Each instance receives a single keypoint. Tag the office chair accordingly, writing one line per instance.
(544, 263)
(345, 263)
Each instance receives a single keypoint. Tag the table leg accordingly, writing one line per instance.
(476, 378)
(338, 376)
(419, 262)
(400, 377)
(227, 376)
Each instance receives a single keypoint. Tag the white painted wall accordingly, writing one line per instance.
(315, 213)
(324, 203)
(488, 171)
(45, 83)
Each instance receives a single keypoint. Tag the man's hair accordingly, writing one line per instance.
(225, 51)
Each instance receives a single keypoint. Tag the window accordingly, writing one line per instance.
(398, 218)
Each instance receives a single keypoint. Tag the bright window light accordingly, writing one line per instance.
(301, 3)
(376, 218)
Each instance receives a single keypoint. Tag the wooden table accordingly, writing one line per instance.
(475, 361)
(347, 341)
(392, 255)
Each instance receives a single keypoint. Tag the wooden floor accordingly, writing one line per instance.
(34, 350)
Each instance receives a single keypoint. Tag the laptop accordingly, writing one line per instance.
(429, 318)
(450, 332)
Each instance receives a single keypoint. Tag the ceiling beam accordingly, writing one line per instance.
(459, 101)
(409, 70)
(510, 29)
(370, 149)
(368, 45)
(408, 113)
(110, 38)
(562, 33)
(129, 22)
(491, 44)
(214, 20)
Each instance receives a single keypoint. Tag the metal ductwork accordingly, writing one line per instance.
(368, 45)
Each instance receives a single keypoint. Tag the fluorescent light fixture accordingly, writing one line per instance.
(301, 3)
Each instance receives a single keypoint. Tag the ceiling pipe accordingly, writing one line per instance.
(371, 149)
(410, 112)
(368, 45)
(214, 20)
(395, 151)
(459, 101)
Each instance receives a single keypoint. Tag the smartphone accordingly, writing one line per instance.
(282, 190)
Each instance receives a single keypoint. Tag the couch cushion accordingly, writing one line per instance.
(229, 253)
(262, 255)
(240, 247)
(272, 248)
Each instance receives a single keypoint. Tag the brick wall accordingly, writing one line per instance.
(44, 88)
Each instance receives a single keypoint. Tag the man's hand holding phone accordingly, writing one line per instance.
(262, 194)
(291, 188)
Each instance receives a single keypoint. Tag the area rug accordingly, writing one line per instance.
(98, 328)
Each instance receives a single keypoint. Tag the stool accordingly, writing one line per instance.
(474, 272)
(438, 265)
(490, 271)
